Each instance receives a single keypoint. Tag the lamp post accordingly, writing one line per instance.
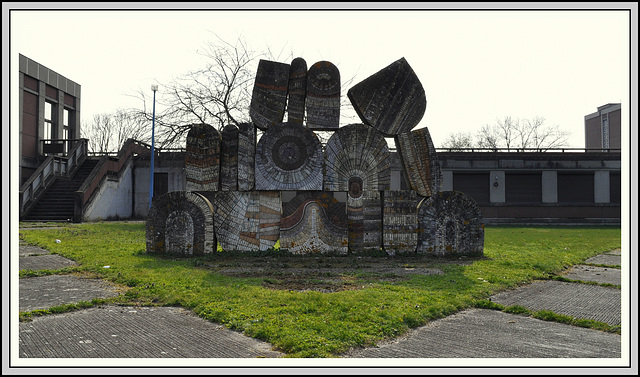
(153, 136)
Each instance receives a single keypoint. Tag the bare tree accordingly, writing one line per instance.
(527, 133)
(459, 140)
(108, 132)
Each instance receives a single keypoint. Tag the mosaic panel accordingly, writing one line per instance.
(297, 91)
(451, 223)
(269, 97)
(419, 161)
(202, 161)
(229, 159)
(246, 156)
(180, 223)
(392, 100)
(400, 221)
(323, 96)
(314, 222)
(288, 157)
(364, 215)
(247, 221)
(356, 160)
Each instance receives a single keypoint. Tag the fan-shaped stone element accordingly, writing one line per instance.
(392, 100)
(364, 215)
(323, 96)
(246, 156)
(180, 223)
(269, 97)
(229, 159)
(314, 222)
(419, 161)
(289, 157)
(297, 91)
(247, 221)
(451, 223)
(400, 221)
(202, 161)
(357, 160)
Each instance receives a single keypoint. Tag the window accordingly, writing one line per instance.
(473, 184)
(523, 188)
(65, 130)
(575, 188)
(48, 121)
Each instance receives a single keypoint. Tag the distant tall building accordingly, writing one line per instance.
(602, 129)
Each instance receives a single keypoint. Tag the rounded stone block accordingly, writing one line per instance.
(180, 223)
(419, 161)
(289, 157)
(392, 100)
(323, 96)
(202, 161)
(269, 96)
(297, 91)
(451, 223)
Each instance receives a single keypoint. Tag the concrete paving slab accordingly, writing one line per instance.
(484, 333)
(615, 252)
(46, 291)
(134, 332)
(602, 275)
(45, 262)
(26, 250)
(583, 301)
(606, 259)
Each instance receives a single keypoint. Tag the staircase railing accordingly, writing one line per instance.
(46, 173)
(107, 166)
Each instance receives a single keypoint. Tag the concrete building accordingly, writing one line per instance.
(602, 129)
(49, 114)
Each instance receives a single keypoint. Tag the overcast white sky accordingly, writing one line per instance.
(475, 65)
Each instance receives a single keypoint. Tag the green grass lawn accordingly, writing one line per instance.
(308, 323)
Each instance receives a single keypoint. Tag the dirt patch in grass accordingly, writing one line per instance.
(326, 273)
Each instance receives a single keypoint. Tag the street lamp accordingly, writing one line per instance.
(153, 136)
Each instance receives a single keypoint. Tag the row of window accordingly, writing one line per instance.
(526, 188)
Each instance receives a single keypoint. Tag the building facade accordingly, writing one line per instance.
(49, 114)
(602, 129)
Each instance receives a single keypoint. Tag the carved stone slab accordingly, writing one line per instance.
(247, 221)
(323, 96)
(246, 156)
(229, 159)
(269, 96)
(364, 215)
(392, 100)
(180, 223)
(297, 91)
(314, 222)
(288, 157)
(400, 221)
(202, 161)
(451, 223)
(419, 161)
(356, 160)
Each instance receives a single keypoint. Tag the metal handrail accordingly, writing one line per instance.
(530, 150)
(52, 166)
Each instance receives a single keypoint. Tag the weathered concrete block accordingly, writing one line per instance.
(392, 100)
(400, 221)
(288, 157)
(419, 161)
(229, 159)
(297, 91)
(323, 96)
(364, 214)
(269, 97)
(451, 223)
(180, 223)
(202, 161)
(246, 156)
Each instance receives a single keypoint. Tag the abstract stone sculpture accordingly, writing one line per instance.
(323, 96)
(229, 159)
(288, 157)
(297, 91)
(314, 222)
(202, 161)
(400, 221)
(392, 100)
(357, 160)
(247, 221)
(180, 223)
(364, 215)
(451, 223)
(246, 156)
(269, 96)
(419, 162)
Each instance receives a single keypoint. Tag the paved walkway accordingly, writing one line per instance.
(164, 332)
